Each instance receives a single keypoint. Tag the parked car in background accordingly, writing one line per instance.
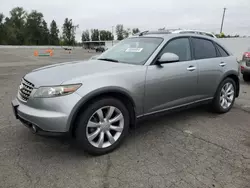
(245, 65)
(96, 101)
(100, 49)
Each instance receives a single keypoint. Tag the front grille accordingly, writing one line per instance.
(25, 89)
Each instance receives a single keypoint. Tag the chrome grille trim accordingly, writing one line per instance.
(25, 89)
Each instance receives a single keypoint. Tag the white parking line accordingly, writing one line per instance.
(7, 74)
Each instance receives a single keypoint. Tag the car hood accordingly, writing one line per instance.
(56, 74)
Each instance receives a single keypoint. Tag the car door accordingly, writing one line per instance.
(211, 66)
(171, 84)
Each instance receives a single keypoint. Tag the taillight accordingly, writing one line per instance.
(241, 68)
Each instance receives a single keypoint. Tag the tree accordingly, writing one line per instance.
(103, 35)
(135, 30)
(126, 33)
(14, 26)
(68, 32)
(109, 35)
(34, 28)
(2, 34)
(53, 34)
(45, 33)
(85, 36)
(119, 32)
(95, 35)
(61, 41)
(106, 35)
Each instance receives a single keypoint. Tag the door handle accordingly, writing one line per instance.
(222, 64)
(191, 68)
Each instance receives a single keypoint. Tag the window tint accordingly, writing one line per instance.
(223, 53)
(203, 49)
(179, 47)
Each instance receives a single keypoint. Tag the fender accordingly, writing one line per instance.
(228, 74)
(95, 93)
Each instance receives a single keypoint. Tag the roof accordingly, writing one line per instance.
(177, 31)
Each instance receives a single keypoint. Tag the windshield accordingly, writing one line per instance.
(132, 50)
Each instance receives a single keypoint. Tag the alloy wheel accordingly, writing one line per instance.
(105, 127)
(227, 95)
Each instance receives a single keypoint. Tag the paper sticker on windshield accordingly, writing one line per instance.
(134, 50)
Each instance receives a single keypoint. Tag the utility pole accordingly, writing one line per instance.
(222, 21)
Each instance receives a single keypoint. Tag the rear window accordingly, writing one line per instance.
(223, 52)
(203, 49)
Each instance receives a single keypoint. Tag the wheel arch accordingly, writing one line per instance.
(233, 75)
(118, 93)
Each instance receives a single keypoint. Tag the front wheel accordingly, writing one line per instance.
(102, 126)
(225, 96)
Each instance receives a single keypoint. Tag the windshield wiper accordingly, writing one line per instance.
(109, 59)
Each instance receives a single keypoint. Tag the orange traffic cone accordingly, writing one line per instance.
(35, 53)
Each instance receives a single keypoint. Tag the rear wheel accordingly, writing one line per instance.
(246, 77)
(225, 96)
(102, 126)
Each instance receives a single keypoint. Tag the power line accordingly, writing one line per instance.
(222, 21)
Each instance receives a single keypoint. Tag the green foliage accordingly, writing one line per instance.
(14, 27)
(95, 35)
(135, 30)
(53, 35)
(68, 32)
(85, 36)
(120, 32)
(45, 33)
(61, 41)
(126, 33)
(35, 28)
(106, 35)
(2, 34)
(23, 28)
(222, 35)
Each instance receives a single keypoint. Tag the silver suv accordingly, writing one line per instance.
(96, 101)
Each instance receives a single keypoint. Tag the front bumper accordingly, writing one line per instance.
(49, 116)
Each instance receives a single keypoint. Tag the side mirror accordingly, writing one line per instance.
(168, 58)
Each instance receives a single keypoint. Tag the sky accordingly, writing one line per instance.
(146, 15)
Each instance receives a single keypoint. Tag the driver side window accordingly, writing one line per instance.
(180, 47)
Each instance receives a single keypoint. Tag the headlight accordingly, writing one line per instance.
(56, 91)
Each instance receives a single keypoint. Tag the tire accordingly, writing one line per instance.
(216, 103)
(91, 114)
(246, 77)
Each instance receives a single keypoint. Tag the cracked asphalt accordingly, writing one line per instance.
(188, 149)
